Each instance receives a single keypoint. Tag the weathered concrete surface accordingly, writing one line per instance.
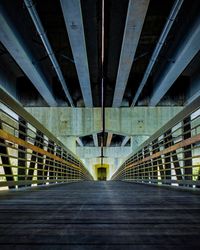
(69, 142)
(136, 141)
(138, 120)
(115, 152)
(65, 121)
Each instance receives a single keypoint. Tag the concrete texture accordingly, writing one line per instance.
(85, 121)
(115, 152)
(100, 215)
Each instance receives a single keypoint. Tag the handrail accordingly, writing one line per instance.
(171, 156)
(29, 153)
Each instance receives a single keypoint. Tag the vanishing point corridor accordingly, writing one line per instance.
(99, 124)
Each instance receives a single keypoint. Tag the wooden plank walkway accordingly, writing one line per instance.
(100, 215)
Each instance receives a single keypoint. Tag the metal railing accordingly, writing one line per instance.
(171, 156)
(29, 154)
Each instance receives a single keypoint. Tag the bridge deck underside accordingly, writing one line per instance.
(99, 215)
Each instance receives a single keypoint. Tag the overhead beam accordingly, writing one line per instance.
(126, 139)
(136, 13)
(79, 142)
(18, 49)
(172, 16)
(95, 138)
(74, 23)
(8, 83)
(109, 139)
(186, 51)
(36, 20)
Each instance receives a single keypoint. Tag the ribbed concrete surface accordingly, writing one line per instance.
(100, 215)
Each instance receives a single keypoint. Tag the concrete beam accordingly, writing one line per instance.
(74, 23)
(95, 138)
(109, 139)
(18, 49)
(188, 48)
(112, 152)
(134, 21)
(138, 120)
(8, 83)
(79, 142)
(36, 20)
(125, 140)
(66, 121)
(194, 89)
(172, 16)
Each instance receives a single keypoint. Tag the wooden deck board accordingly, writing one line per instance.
(99, 215)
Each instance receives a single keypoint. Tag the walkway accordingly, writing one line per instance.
(99, 215)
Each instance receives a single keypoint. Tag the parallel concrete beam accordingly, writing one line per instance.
(74, 23)
(134, 21)
(95, 138)
(79, 142)
(172, 16)
(8, 83)
(109, 139)
(125, 140)
(188, 48)
(36, 20)
(194, 89)
(18, 49)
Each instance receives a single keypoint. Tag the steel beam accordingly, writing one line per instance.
(74, 23)
(186, 51)
(136, 13)
(18, 49)
(175, 10)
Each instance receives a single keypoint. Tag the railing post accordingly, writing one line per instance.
(156, 161)
(34, 156)
(6, 161)
(167, 143)
(22, 161)
(40, 160)
(187, 149)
